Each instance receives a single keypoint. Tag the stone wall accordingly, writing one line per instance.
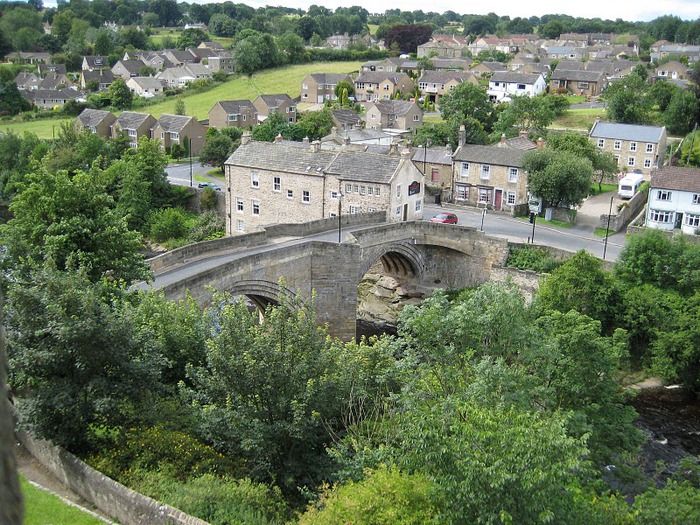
(112, 498)
(527, 281)
(626, 213)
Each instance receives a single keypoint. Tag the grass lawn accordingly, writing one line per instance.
(601, 232)
(605, 188)
(42, 508)
(42, 128)
(432, 119)
(578, 118)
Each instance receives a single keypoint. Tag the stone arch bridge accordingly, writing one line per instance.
(421, 253)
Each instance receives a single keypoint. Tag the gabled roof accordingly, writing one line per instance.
(634, 132)
(57, 94)
(582, 75)
(132, 66)
(490, 155)
(90, 118)
(104, 77)
(377, 77)
(363, 166)
(492, 66)
(96, 61)
(442, 77)
(676, 178)
(345, 116)
(329, 78)
(449, 63)
(132, 120)
(433, 155)
(514, 76)
(173, 123)
(281, 157)
(274, 101)
(233, 107)
(52, 68)
(147, 82)
(395, 107)
(570, 65)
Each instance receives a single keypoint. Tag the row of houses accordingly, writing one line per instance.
(169, 130)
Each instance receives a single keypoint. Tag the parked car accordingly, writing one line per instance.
(211, 185)
(445, 218)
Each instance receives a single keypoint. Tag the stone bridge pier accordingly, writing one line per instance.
(418, 253)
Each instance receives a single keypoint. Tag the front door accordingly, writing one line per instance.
(679, 220)
(405, 212)
(498, 200)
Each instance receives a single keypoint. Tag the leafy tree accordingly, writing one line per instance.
(167, 11)
(120, 94)
(552, 29)
(191, 38)
(292, 48)
(628, 100)
(682, 112)
(180, 106)
(275, 125)
(23, 27)
(559, 178)
(690, 150)
(72, 356)
(216, 150)
(315, 124)
(603, 162)
(166, 224)
(11, 100)
(71, 223)
(221, 24)
(407, 37)
(150, 161)
(467, 101)
(662, 92)
(533, 114)
(104, 43)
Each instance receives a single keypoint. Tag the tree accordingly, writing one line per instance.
(603, 162)
(533, 114)
(682, 112)
(628, 100)
(191, 38)
(104, 44)
(465, 102)
(662, 92)
(292, 47)
(70, 223)
(314, 124)
(216, 150)
(180, 106)
(407, 37)
(23, 27)
(120, 94)
(559, 178)
(690, 150)
(222, 25)
(11, 100)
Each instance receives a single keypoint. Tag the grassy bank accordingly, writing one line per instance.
(42, 508)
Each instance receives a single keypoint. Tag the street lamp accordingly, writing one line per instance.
(427, 144)
(190, 151)
(340, 224)
(607, 228)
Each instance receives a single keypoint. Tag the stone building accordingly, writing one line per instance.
(635, 147)
(393, 114)
(278, 182)
(319, 87)
(180, 130)
(233, 113)
(134, 125)
(96, 121)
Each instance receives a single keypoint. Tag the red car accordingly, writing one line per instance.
(445, 218)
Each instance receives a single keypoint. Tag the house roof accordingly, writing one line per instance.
(582, 75)
(56, 94)
(173, 122)
(104, 77)
(233, 107)
(395, 107)
(132, 120)
(449, 63)
(433, 155)
(358, 136)
(676, 178)
(96, 61)
(492, 66)
(345, 116)
(146, 82)
(281, 157)
(92, 117)
(490, 155)
(377, 77)
(329, 78)
(274, 101)
(132, 66)
(514, 76)
(364, 166)
(634, 132)
(442, 77)
(570, 65)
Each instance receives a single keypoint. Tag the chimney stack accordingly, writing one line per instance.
(315, 146)
(462, 135)
(523, 133)
(393, 149)
(245, 139)
(540, 142)
(502, 142)
(305, 140)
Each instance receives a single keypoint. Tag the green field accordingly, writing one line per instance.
(42, 508)
(272, 81)
(581, 119)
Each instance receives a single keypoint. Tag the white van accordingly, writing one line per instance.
(629, 185)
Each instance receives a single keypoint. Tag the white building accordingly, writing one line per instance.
(504, 85)
(674, 200)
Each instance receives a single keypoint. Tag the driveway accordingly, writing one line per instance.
(593, 207)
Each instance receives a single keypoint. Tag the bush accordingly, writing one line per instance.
(168, 223)
(535, 259)
(208, 226)
(208, 199)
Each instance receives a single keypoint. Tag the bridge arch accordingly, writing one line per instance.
(262, 293)
(400, 259)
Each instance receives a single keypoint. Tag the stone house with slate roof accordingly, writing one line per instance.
(319, 87)
(146, 87)
(180, 76)
(674, 199)
(635, 147)
(103, 79)
(492, 176)
(50, 98)
(96, 121)
(673, 70)
(283, 104)
(436, 166)
(95, 63)
(345, 119)
(505, 85)
(45, 69)
(273, 182)
(233, 113)
(393, 114)
(434, 84)
(182, 130)
(26, 81)
(581, 82)
(373, 86)
(128, 68)
(134, 125)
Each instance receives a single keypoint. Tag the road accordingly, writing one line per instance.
(519, 230)
(179, 173)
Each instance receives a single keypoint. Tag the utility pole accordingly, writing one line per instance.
(607, 228)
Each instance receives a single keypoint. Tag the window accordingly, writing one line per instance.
(398, 210)
(334, 195)
(663, 195)
(377, 191)
(233, 118)
(371, 210)
(661, 216)
(465, 170)
(630, 161)
(174, 136)
(696, 198)
(370, 190)
(521, 86)
(583, 85)
(255, 180)
(256, 207)
(244, 118)
(354, 209)
(304, 86)
(398, 191)
(277, 184)
(510, 198)
(650, 148)
(419, 204)
(332, 214)
(647, 163)
(484, 196)
(462, 192)
(240, 226)
(290, 194)
(239, 204)
(617, 144)
(435, 175)
(348, 188)
(633, 146)
(691, 220)
(363, 189)
(513, 175)
(355, 188)
(485, 172)
(415, 118)
(306, 196)
(601, 143)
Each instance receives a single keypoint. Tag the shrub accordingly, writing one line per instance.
(208, 226)
(531, 258)
(208, 200)
(168, 223)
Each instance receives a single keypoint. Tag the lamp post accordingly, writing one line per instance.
(607, 228)
(427, 144)
(190, 152)
(340, 224)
